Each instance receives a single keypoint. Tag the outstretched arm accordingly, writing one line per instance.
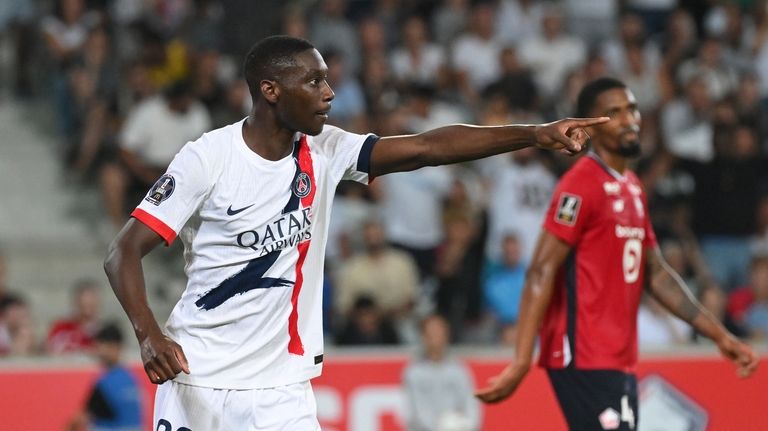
(163, 359)
(669, 289)
(550, 254)
(459, 143)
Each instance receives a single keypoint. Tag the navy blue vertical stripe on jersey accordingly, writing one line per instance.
(571, 306)
(293, 202)
(251, 277)
(364, 158)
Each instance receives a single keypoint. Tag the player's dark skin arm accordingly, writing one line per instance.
(163, 358)
(459, 143)
(550, 254)
(666, 286)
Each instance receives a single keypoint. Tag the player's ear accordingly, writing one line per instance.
(270, 90)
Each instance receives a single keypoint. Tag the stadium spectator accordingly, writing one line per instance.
(658, 328)
(679, 41)
(17, 23)
(115, 400)
(522, 183)
(756, 315)
(518, 20)
(718, 74)
(449, 20)
(331, 30)
(503, 286)
(759, 240)
(65, 32)
(458, 271)
(349, 107)
(94, 84)
(17, 332)
(74, 334)
(352, 209)
(475, 53)
(153, 133)
(686, 122)
(553, 53)
(411, 204)
(417, 59)
(727, 191)
(654, 13)
(366, 325)
(3, 275)
(437, 386)
(387, 275)
(591, 21)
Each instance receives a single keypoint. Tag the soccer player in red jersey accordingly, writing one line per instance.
(595, 255)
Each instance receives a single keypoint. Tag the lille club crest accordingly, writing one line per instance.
(302, 185)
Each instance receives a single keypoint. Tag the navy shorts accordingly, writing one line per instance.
(596, 399)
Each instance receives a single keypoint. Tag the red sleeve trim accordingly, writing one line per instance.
(155, 224)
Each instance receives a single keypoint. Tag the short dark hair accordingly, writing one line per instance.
(589, 94)
(269, 56)
(109, 333)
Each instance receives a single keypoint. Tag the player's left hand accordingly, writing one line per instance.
(740, 353)
(567, 135)
(503, 385)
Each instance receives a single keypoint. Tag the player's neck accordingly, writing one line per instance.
(266, 138)
(614, 161)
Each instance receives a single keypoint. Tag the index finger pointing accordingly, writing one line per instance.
(584, 122)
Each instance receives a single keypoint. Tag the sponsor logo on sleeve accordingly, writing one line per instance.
(162, 190)
(568, 209)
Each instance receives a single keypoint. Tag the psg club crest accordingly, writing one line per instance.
(162, 190)
(302, 185)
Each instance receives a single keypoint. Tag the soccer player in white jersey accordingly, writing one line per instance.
(251, 202)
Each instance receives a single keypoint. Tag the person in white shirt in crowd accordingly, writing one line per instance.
(475, 53)
(553, 53)
(686, 122)
(522, 184)
(418, 59)
(517, 20)
(153, 133)
(438, 387)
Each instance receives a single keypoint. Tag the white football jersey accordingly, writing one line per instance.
(254, 234)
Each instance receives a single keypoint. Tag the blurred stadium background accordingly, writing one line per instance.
(78, 77)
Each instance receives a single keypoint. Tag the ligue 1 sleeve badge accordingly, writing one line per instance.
(162, 190)
(302, 185)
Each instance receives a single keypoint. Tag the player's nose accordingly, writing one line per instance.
(328, 93)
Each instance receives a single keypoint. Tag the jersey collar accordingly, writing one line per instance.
(612, 172)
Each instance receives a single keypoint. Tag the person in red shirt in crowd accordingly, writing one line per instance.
(595, 255)
(75, 333)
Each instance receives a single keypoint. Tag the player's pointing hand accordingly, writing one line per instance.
(163, 358)
(567, 134)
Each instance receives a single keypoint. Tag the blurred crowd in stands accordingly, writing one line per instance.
(131, 81)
